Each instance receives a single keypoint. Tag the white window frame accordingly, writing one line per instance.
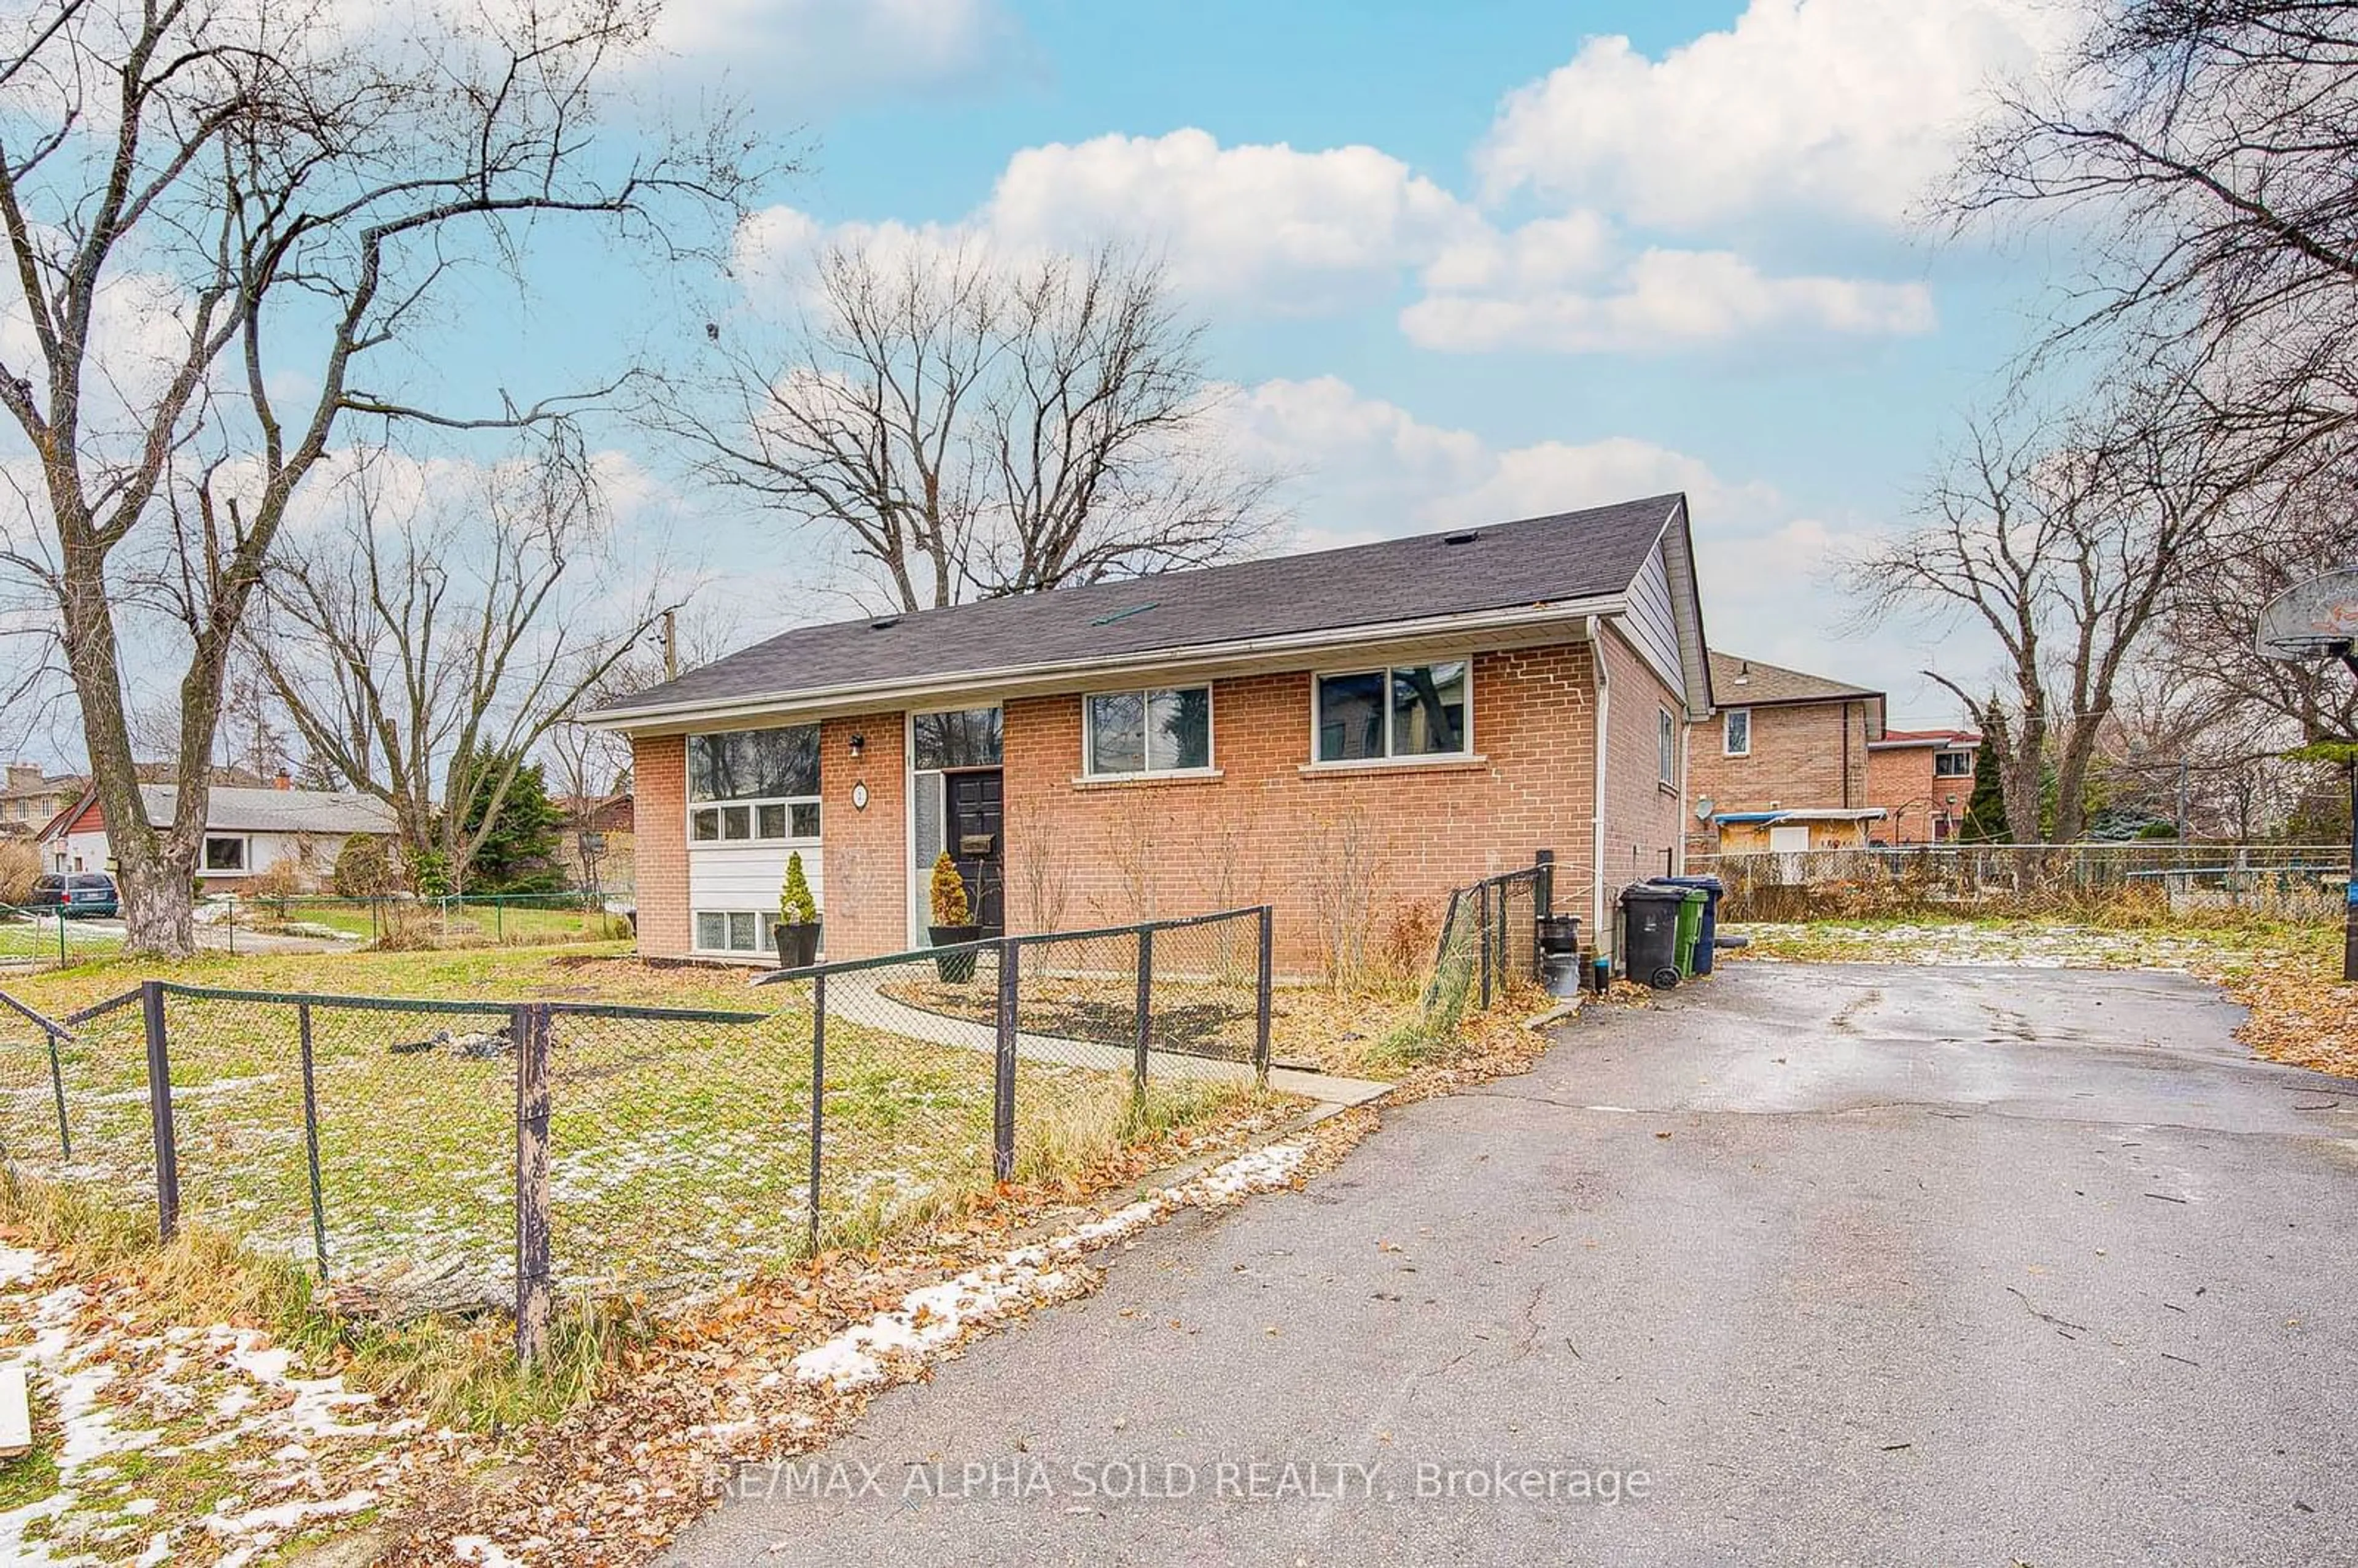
(1211, 763)
(753, 823)
(1389, 759)
(1727, 748)
(1666, 748)
(761, 919)
(1964, 773)
(244, 868)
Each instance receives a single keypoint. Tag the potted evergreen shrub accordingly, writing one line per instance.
(952, 921)
(797, 932)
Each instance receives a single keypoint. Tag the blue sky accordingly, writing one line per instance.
(1459, 261)
(1548, 255)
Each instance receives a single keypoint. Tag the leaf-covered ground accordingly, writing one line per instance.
(2302, 1012)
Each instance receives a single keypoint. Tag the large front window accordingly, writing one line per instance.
(1161, 730)
(1952, 765)
(224, 854)
(763, 786)
(1407, 710)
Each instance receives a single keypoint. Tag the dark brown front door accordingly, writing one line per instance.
(979, 843)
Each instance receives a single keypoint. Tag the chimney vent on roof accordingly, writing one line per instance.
(884, 623)
(284, 780)
(1465, 538)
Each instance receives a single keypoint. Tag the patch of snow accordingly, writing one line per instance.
(934, 1317)
(280, 1518)
(159, 1550)
(482, 1550)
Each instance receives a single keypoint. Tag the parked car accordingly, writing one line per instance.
(79, 893)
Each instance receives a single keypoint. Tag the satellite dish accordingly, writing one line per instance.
(1702, 809)
(2317, 619)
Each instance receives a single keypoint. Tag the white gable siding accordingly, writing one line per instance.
(1652, 623)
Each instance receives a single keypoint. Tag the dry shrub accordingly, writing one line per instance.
(20, 866)
(1404, 947)
(272, 886)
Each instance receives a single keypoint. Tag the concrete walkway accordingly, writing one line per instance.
(859, 998)
(1854, 1264)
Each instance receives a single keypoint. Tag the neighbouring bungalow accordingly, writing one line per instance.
(1923, 780)
(1782, 765)
(247, 831)
(1346, 735)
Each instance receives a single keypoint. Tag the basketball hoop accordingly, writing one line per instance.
(2318, 620)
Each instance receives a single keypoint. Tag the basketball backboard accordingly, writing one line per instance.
(2317, 619)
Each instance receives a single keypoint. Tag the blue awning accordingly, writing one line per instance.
(1747, 817)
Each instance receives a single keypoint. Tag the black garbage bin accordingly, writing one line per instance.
(1560, 954)
(1711, 888)
(1649, 933)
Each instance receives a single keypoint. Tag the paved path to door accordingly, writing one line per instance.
(1858, 1264)
(859, 998)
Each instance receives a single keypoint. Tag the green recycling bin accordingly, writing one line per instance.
(1690, 929)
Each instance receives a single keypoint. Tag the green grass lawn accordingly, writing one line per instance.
(37, 939)
(679, 1149)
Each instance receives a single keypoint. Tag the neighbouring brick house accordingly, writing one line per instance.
(1363, 728)
(596, 846)
(1783, 764)
(1923, 780)
(32, 795)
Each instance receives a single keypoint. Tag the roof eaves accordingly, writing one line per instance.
(899, 691)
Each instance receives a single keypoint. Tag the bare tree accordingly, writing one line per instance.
(2204, 155)
(966, 428)
(424, 649)
(219, 219)
(2067, 547)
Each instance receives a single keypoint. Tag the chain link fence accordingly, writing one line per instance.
(1489, 943)
(424, 1154)
(2289, 880)
(406, 921)
(43, 938)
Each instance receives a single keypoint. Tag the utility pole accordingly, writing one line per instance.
(671, 644)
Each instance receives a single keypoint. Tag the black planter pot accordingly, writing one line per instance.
(957, 969)
(797, 943)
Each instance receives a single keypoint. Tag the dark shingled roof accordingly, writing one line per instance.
(1739, 682)
(1540, 560)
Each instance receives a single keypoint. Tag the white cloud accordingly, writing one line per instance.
(1843, 106)
(1270, 230)
(1268, 224)
(1366, 469)
(1668, 300)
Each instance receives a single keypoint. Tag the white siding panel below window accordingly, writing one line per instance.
(735, 877)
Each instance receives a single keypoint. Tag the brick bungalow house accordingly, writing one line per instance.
(1365, 726)
(1782, 765)
(1923, 779)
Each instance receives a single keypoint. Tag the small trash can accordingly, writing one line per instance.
(1711, 888)
(1649, 933)
(1560, 954)
(1690, 927)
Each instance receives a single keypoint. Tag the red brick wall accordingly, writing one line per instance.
(1900, 780)
(1386, 841)
(867, 851)
(1643, 821)
(659, 780)
(1389, 841)
(1800, 761)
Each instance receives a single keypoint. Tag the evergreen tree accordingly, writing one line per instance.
(1985, 812)
(519, 853)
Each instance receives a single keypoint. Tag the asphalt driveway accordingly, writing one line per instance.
(1848, 1264)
